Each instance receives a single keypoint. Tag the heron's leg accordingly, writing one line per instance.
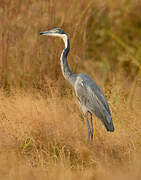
(92, 130)
(89, 130)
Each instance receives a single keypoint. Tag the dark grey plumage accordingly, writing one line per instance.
(90, 97)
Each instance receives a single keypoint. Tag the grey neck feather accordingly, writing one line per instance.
(64, 64)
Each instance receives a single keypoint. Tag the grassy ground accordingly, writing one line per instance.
(43, 134)
(47, 138)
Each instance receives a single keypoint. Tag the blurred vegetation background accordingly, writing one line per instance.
(105, 39)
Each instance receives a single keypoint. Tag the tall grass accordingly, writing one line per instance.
(43, 133)
(101, 31)
(49, 136)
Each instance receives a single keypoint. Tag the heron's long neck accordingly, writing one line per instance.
(64, 64)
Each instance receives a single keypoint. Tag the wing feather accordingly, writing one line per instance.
(91, 96)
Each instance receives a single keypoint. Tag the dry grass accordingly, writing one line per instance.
(46, 138)
(42, 131)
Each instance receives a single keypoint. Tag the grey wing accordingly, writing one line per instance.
(100, 96)
(88, 90)
(93, 99)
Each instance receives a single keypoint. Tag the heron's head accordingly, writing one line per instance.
(54, 32)
(57, 32)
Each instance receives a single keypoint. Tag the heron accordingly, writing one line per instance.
(90, 97)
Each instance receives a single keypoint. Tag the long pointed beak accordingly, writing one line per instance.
(41, 33)
(46, 33)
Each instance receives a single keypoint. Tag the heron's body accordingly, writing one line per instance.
(90, 97)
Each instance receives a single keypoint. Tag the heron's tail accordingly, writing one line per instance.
(110, 127)
(109, 124)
